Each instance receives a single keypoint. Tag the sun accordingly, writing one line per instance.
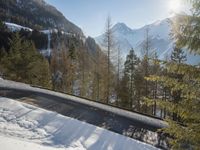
(175, 5)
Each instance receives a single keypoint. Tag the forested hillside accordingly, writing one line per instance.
(74, 64)
(36, 14)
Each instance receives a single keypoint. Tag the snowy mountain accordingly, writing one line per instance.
(47, 26)
(15, 27)
(160, 40)
(36, 14)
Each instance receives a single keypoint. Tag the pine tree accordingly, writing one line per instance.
(72, 53)
(24, 64)
(138, 82)
(53, 67)
(2, 55)
(130, 67)
(72, 65)
(2, 26)
(184, 128)
(124, 98)
(155, 69)
(13, 63)
(184, 85)
(178, 55)
(186, 29)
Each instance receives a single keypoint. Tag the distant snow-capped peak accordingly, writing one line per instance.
(159, 34)
(122, 28)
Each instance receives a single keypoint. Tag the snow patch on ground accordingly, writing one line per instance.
(15, 27)
(23, 126)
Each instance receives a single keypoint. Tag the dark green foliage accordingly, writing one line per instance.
(40, 39)
(183, 82)
(72, 51)
(186, 28)
(2, 26)
(130, 73)
(184, 128)
(24, 64)
(178, 55)
(4, 39)
(123, 93)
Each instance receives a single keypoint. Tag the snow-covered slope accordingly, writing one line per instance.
(161, 41)
(23, 127)
(16, 27)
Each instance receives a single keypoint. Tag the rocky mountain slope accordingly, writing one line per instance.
(39, 18)
(35, 14)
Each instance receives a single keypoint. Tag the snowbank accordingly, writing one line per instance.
(23, 126)
(5, 84)
(16, 27)
(8, 143)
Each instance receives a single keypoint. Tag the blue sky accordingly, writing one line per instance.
(90, 15)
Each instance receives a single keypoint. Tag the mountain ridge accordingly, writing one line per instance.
(160, 39)
(42, 14)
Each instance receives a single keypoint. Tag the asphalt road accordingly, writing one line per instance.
(113, 122)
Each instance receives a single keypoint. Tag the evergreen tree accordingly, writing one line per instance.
(184, 103)
(2, 26)
(138, 82)
(184, 84)
(130, 67)
(72, 65)
(178, 55)
(124, 99)
(2, 55)
(186, 29)
(155, 69)
(72, 53)
(24, 64)
(53, 67)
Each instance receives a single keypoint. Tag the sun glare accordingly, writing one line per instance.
(175, 5)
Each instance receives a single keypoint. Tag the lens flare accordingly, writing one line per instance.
(175, 5)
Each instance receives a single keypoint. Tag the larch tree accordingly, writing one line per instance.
(108, 43)
(145, 65)
(119, 68)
